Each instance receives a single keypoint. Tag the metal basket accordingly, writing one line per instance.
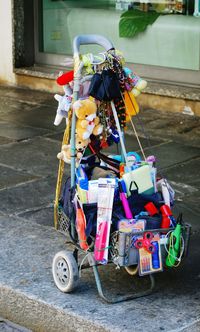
(63, 221)
(124, 253)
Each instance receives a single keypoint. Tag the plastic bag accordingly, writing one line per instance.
(105, 86)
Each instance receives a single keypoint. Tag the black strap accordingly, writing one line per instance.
(114, 164)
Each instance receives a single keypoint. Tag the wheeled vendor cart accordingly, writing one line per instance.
(114, 208)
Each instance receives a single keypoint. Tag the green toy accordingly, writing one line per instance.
(175, 240)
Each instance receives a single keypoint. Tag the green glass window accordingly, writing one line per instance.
(171, 41)
(60, 21)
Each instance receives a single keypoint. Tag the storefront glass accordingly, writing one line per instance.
(60, 20)
(172, 41)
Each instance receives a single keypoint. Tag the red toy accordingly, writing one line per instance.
(65, 78)
(145, 243)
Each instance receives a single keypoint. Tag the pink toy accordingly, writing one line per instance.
(100, 241)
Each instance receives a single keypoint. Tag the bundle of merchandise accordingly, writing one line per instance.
(122, 208)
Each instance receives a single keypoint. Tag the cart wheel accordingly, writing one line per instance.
(65, 271)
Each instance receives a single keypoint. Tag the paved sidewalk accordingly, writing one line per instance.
(6, 326)
(29, 143)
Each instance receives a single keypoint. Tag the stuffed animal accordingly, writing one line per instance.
(64, 104)
(81, 145)
(87, 119)
(134, 83)
(65, 153)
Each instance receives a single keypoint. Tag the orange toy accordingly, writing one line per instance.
(80, 227)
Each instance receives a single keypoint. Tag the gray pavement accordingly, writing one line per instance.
(29, 144)
(7, 326)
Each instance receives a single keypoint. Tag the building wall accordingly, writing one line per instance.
(6, 44)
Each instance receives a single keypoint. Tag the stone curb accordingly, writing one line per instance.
(39, 316)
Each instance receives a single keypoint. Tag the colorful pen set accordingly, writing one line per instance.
(145, 262)
(150, 262)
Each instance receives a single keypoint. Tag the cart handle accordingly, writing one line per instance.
(91, 39)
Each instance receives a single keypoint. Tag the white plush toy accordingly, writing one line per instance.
(64, 104)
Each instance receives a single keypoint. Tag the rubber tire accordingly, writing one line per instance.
(67, 279)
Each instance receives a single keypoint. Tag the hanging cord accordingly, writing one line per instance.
(134, 129)
(60, 172)
(141, 123)
(147, 138)
(137, 137)
(120, 132)
(66, 138)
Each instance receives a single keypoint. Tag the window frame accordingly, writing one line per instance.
(43, 58)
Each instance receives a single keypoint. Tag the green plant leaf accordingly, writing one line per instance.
(134, 21)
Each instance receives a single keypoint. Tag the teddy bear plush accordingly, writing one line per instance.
(87, 120)
(81, 145)
(65, 153)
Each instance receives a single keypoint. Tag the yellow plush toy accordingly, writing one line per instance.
(65, 153)
(81, 145)
(87, 119)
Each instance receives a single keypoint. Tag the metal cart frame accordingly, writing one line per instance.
(68, 262)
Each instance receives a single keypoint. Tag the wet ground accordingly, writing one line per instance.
(29, 143)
